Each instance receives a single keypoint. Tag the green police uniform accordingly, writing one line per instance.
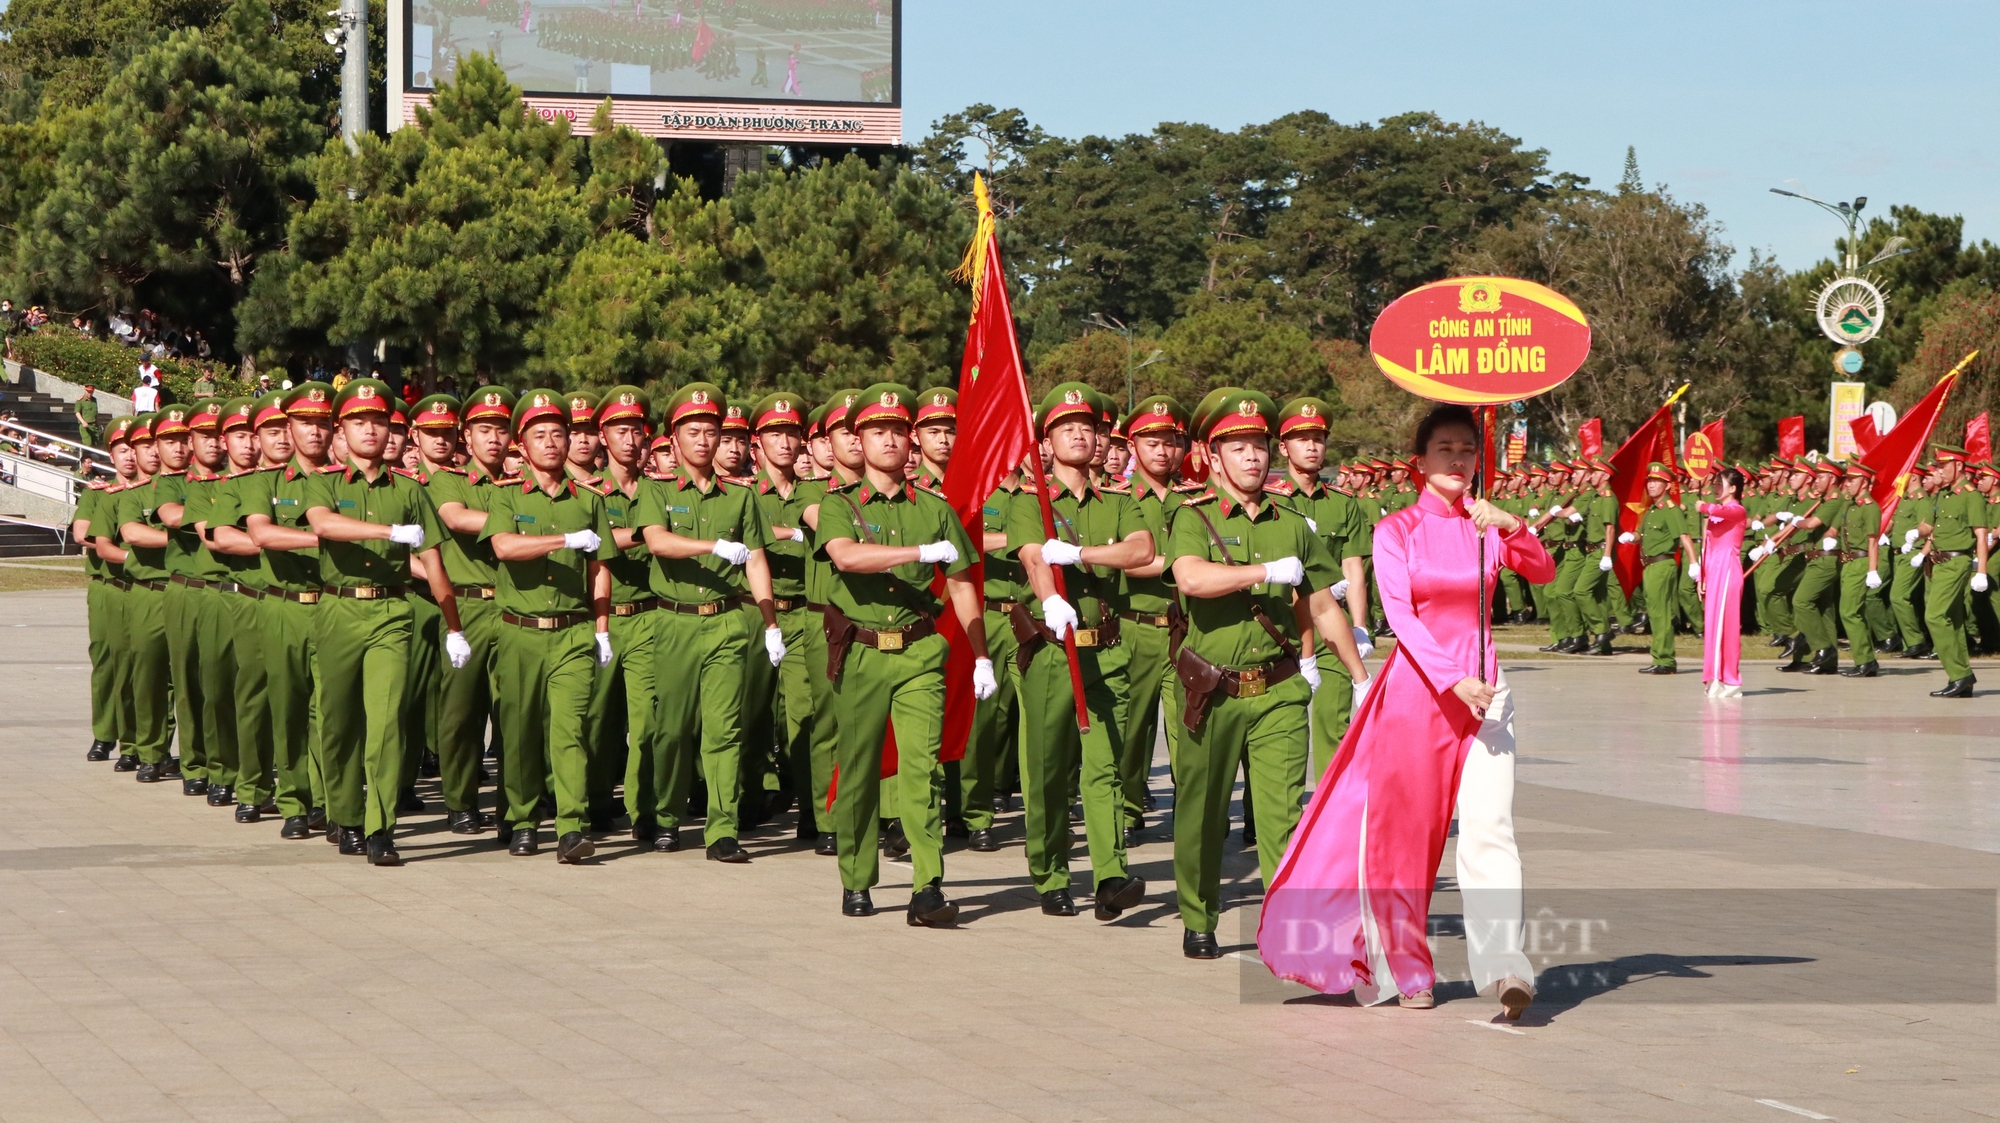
(149, 656)
(1984, 619)
(778, 700)
(240, 592)
(465, 694)
(363, 627)
(215, 626)
(104, 614)
(1860, 609)
(1778, 579)
(1266, 720)
(701, 642)
(546, 658)
(1152, 609)
(86, 419)
(1564, 540)
(1660, 531)
(1816, 599)
(899, 678)
(972, 782)
(825, 736)
(1906, 586)
(622, 701)
(1959, 516)
(181, 608)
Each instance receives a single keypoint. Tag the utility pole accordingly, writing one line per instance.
(353, 33)
(1113, 323)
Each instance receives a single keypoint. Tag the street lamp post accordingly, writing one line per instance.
(1847, 213)
(1112, 323)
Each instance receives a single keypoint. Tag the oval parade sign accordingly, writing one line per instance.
(1480, 340)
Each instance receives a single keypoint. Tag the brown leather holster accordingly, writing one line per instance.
(1199, 679)
(839, 636)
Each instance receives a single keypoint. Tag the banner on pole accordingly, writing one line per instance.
(1849, 400)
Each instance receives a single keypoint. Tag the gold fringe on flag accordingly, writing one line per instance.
(973, 269)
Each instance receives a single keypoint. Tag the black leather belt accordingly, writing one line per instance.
(240, 589)
(476, 592)
(635, 607)
(555, 623)
(366, 592)
(1155, 619)
(191, 582)
(996, 604)
(812, 606)
(706, 608)
(894, 639)
(156, 586)
(116, 583)
(307, 597)
(1252, 682)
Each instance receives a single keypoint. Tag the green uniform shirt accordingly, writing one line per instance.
(1223, 630)
(631, 570)
(556, 583)
(1004, 577)
(394, 497)
(1909, 512)
(1959, 513)
(1660, 529)
(183, 543)
(88, 505)
(1098, 517)
(467, 557)
(723, 511)
(279, 493)
(1860, 524)
(1602, 511)
(907, 516)
(207, 564)
(142, 563)
(1153, 596)
(787, 558)
(1336, 513)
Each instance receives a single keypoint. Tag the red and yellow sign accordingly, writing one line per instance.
(1480, 340)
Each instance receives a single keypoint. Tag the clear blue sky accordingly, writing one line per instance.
(1898, 102)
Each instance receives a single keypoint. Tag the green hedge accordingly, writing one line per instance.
(107, 364)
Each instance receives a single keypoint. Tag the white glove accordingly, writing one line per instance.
(1309, 670)
(1627, 538)
(458, 648)
(774, 645)
(1576, 516)
(1340, 590)
(1909, 538)
(604, 649)
(1535, 530)
(735, 553)
(1057, 552)
(1361, 692)
(1604, 563)
(1059, 616)
(1311, 523)
(585, 540)
(798, 534)
(1285, 571)
(984, 685)
(937, 553)
(1906, 548)
(1757, 552)
(1694, 572)
(407, 534)
(1755, 524)
(1979, 582)
(1785, 516)
(1917, 562)
(1873, 580)
(1829, 544)
(1364, 642)
(1882, 541)
(1534, 512)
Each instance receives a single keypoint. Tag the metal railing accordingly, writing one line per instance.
(18, 438)
(61, 533)
(46, 465)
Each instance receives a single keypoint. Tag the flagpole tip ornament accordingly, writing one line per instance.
(1480, 341)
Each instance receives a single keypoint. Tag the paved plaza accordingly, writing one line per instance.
(1776, 910)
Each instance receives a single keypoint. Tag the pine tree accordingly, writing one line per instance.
(1630, 181)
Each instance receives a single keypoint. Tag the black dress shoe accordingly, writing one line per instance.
(126, 762)
(505, 834)
(1656, 670)
(1116, 894)
(149, 773)
(99, 750)
(352, 841)
(929, 909)
(668, 840)
(408, 804)
(268, 807)
(427, 768)
(463, 822)
(1825, 661)
(1918, 651)
(895, 844)
(1863, 670)
(192, 785)
(645, 830)
(829, 845)
(221, 795)
(1132, 836)
(1797, 664)
(1249, 836)
(247, 814)
(1057, 902)
(856, 902)
(333, 833)
(1200, 945)
(1891, 645)
(727, 850)
(524, 844)
(316, 818)
(1956, 688)
(1152, 801)
(1555, 647)
(295, 828)
(956, 828)
(1001, 804)
(1778, 641)
(574, 847)
(170, 769)
(382, 850)
(1601, 647)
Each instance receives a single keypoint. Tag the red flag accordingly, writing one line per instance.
(1703, 455)
(1652, 441)
(1865, 436)
(1590, 437)
(703, 40)
(1978, 440)
(1791, 436)
(1900, 448)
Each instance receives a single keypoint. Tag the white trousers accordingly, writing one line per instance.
(1489, 862)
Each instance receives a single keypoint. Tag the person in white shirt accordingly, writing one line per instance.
(146, 395)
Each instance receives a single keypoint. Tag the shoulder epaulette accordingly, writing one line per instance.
(1198, 500)
(454, 471)
(1282, 487)
(927, 489)
(269, 468)
(331, 468)
(97, 485)
(1188, 486)
(738, 481)
(510, 481)
(1121, 487)
(406, 473)
(1342, 491)
(116, 488)
(596, 485)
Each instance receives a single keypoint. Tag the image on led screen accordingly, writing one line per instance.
(768, 50)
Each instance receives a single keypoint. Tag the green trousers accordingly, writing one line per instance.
(1906, 598)
(1515, 589)
(215, 640)
(758, 758)
(823, 741)
(1947, 603)
(1270, 733)
(1591, 589)
(1775, 582)
(1690, 600)
(1565, 616)
(1145, 677)
(102, 613)
(1332, 708)
(1053, 749)
(698, 676)
(291, 691)
(1816, 601)
(1984, 620)
(149, 656)
(1860, 610)
(1662, 580)
(875, 688)
(420, 692)
(542, 681)
(618, 725)
(969, 783)
(464, 702)
(256, 782)
(784, 719)
(363, 650)
(1618, 605)
(180, 610)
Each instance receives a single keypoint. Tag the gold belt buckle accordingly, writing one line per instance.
(709, 609)
(546, 623)
(1250, 684)
(308, 598)
(889, 641)
(1086, 637)
(485, 592)
(367, 592)
(624, 610)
